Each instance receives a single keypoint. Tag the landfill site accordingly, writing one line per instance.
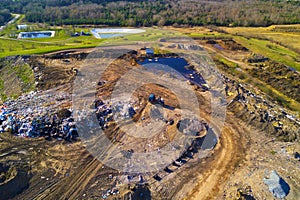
(76, 138)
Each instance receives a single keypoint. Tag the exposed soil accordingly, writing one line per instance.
(62, 170)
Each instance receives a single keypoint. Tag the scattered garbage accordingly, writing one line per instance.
(122, 110)
(107, 193)
(38, 114)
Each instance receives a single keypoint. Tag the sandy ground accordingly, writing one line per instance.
(216, 169)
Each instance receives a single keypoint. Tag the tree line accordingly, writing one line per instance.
(158, 12)
(5, 16)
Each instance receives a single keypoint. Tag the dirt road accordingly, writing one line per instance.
(226, 158)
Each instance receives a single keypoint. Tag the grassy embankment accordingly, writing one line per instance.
(286, 35)
(19, 78)
(279, 43)
(280, 46)
(235, 70)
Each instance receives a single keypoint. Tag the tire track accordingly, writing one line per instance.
(229, 155)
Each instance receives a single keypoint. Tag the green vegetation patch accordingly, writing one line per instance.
(284, 35)
(279, 77)
(10, 47)
(267, 82)
(271, 50)
(159, 12)
(16, 78)
(226, 65)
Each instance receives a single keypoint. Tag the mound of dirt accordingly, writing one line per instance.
(232, 45)
(13, 179)
(280, 77)
(261, 113)
(226, 44)
(16, 77)
(51, 73)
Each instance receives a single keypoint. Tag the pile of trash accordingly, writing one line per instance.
(104, 113)
(119, 110)
(124, 110)
(37, 114)
(109, 192)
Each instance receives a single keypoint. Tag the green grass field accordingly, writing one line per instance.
(12, 46)
(271, 50)
(280, 43)
(287, 35)
(63, 40)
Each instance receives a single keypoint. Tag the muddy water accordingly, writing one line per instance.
(175, 66)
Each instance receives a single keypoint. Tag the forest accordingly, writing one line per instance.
(4, 16)
(157, 12)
